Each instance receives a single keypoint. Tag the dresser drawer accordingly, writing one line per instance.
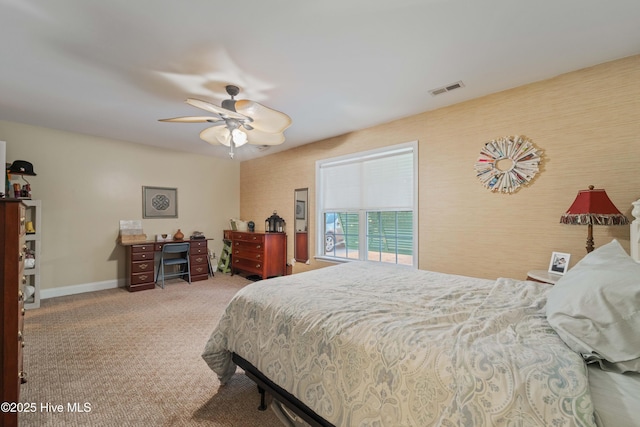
(141, 266)
(199, 272)
(198, 250)
(142, 248)
(247, 237)
(242, 246)
(198, 259)
(249, 255)
(142, 256)
(198, 244)
(250, 265)
(142, 278)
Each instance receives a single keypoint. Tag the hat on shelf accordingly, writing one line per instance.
(22, 167)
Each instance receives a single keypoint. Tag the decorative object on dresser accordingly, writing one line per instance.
(505, 164)
(590, 207)
(12, 254)
(264, 254)
(274, 224)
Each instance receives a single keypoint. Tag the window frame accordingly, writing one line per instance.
(362, 211)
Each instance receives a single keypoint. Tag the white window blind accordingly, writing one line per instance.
(382, 180)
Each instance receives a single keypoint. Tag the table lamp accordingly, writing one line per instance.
(593, 206)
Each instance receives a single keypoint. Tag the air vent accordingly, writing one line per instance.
(448, 88)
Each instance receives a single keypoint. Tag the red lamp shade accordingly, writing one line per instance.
(590, 207)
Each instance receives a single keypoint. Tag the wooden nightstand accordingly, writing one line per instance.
(543, 276)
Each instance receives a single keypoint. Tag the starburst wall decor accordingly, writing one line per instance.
(506, 164)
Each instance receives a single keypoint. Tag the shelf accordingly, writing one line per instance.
(33, 241)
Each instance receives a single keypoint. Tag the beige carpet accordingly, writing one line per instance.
(134, 359)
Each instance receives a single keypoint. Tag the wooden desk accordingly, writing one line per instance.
(141, 262)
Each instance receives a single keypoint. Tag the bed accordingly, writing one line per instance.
(370, 344)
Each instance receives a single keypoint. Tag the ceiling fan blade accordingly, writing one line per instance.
(216, 135)
(258, 137)
(264, 118)
(222, 112)
(194, 119)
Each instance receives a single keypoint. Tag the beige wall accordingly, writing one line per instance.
(88, 184)
(586, 122)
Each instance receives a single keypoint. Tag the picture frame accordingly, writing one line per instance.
(300, 209)
(159, 202)
(559, 263)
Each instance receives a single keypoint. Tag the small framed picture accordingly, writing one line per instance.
(300, 209)
(159, 202)
(559, 263)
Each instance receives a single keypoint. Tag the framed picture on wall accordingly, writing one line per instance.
(300, 209)
(159, 202)
(559, 263)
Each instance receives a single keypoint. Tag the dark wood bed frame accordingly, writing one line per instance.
(265, 385)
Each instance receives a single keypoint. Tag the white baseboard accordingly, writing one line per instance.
(79, 289)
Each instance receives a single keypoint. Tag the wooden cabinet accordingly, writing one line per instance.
(264, 254)
(12, 254)
(140, 266)
(141, 263)
(198, 260)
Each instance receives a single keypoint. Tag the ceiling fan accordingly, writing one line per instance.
(238, 122)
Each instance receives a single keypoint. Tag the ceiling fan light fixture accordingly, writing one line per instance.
(239, 137)
(238, 122)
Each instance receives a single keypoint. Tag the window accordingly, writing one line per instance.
(366, 204)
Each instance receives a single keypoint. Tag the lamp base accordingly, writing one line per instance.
(590, 238)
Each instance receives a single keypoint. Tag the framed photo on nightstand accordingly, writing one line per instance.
(559, 263)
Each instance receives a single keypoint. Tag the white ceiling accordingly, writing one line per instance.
(113, 68)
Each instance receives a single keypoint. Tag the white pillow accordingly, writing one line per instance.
(595, 308)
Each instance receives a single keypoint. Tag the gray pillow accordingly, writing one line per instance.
(595, 308)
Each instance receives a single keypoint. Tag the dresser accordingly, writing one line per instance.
(141, 262)
(264, 254)
(12, 255)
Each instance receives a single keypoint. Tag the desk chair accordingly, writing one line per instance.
(178, 255)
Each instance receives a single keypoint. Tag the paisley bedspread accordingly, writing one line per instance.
(370, 344)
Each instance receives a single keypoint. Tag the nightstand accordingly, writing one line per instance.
(543, 276)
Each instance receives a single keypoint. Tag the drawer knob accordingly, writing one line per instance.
(143, 266)
(19, 335)
(20, 294)
(258, 246)
(258, 256)
(24, 280)
(143, 276)
(258, 265)
(23, 377)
